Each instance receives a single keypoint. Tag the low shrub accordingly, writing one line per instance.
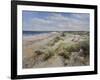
(85, 46)
(55, 40)
(72, 48)
(65, 54)
(49, 52)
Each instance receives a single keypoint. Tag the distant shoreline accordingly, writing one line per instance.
(27, 33)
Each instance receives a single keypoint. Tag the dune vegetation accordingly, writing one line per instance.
(59, 50)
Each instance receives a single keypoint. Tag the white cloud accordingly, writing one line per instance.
(58, 22)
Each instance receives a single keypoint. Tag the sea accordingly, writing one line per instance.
(31, 33)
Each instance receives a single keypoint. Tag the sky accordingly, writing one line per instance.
(55, 21)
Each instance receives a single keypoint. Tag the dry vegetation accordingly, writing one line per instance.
(60, 49)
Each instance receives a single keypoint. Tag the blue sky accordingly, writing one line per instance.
(55, 21)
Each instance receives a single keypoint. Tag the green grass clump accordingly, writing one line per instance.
(55, 40)
(49, 52)
(65, 54)
(73, 48)
(61, 50)
(85, 46)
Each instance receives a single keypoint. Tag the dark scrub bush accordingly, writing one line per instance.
(85, 46)
(73, 48)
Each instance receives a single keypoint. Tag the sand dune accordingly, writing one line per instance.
(55, 50)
